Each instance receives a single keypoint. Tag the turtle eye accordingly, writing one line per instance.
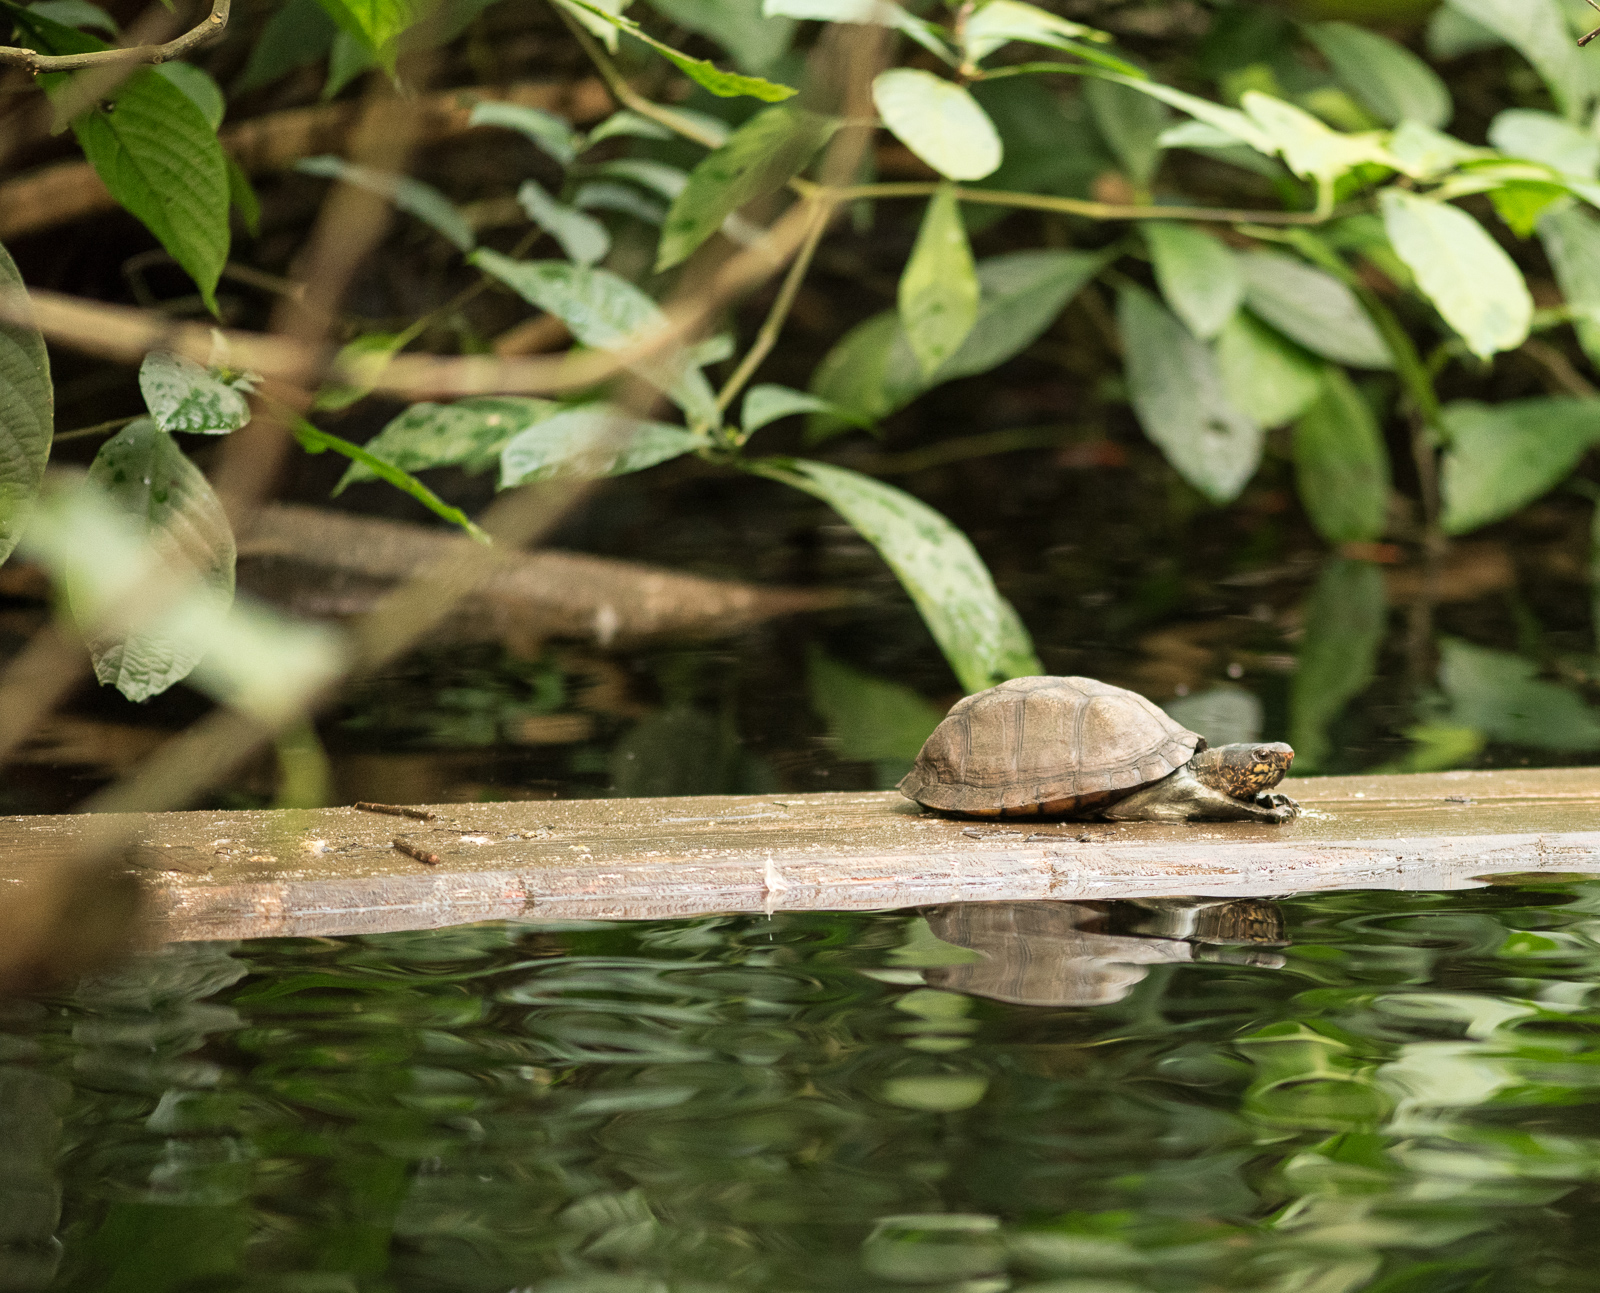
(1261, 754)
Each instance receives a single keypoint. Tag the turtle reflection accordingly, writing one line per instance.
(1095, 953)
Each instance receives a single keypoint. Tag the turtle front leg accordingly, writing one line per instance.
(1183, 798)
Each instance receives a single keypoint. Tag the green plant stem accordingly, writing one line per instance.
(99, 428)
(1068, 206)
(625, 94)
(773, 324)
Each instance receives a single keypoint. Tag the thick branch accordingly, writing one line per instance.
(213, 26)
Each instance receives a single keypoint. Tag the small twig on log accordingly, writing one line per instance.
(201, 33)
(421, 854)
(394, 810)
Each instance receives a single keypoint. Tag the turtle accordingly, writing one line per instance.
(1075, 747)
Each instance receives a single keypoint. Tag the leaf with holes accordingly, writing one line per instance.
(1177, 391)
(27, 408)
(185, 396)
(468, 434)
(975, 626)
(590, 441)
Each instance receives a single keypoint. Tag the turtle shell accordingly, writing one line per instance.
(1048, 746)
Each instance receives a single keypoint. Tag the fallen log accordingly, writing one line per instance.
(214, 875)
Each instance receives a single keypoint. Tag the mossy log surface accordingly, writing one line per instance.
(216, 875)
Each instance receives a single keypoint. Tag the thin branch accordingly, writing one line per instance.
(200, 34)
(1559, 368)
(773, 325)
(1584, 40)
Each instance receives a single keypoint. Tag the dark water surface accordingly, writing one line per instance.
(1357, 1091)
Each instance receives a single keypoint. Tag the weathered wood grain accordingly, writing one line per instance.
(337, 871)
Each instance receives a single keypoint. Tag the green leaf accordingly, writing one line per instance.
(938, 121)
(1538, 30)
(766, 404)
(755, 41)
(1521, 206)
(185, 396)
(413, 197)
(1309, 148)
(1267, 377)
(702, 72)
(1503, 456)
(1344, 625)
(159, 157)
(1341, 465)
(545, 129)
(298, 33)
(1424, 153)
(242, 196)
(1132, 123)
(361, 362)
(27, 410)
(870, 720)
(1177, 391)
(1476, 287)
(939, 288)
(974, 626)
(348, 59)
(377, 24)
(625, 122)
(760, 156)
(198, 87)
(1387, 79)
(1546, 138)
(590, 441)
(1198, 275)
(468, 434)
(144, 473)
(999, 22)
(1571, 238)
(603, 311)
(582, 237)
(881, 13)
(1500, 695)
(601, 196)
(1230, 121)
(314, 440)
(1313, 308)
(658, 177)
(75, 13)
(871, 371)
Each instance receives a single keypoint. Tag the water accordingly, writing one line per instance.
(1353, 1091)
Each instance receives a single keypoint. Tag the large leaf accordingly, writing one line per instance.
(1476, 287)
(974, 626)
(939, 121)
(590, 441)
(185, 396)
(1178, 394)
(1503, 456)
(604, 311)
(1547, 138)
(1538, 31)
(755, 41)
(1341, 465)
(1344, 625)
(759, 157)
(1571, 238)
(582, 237)
(1198, 275)
(468, 434)
(939, 288)
(702, 72)
(871, 372)
(1387, 78)
(143, 651)
(1131, 123)
(1500, 695)
(1267, 377)
(413, 197)
(1313, 308)
(160, 159)
(27, 410)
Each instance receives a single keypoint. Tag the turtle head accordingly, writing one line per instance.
(1243, 770)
